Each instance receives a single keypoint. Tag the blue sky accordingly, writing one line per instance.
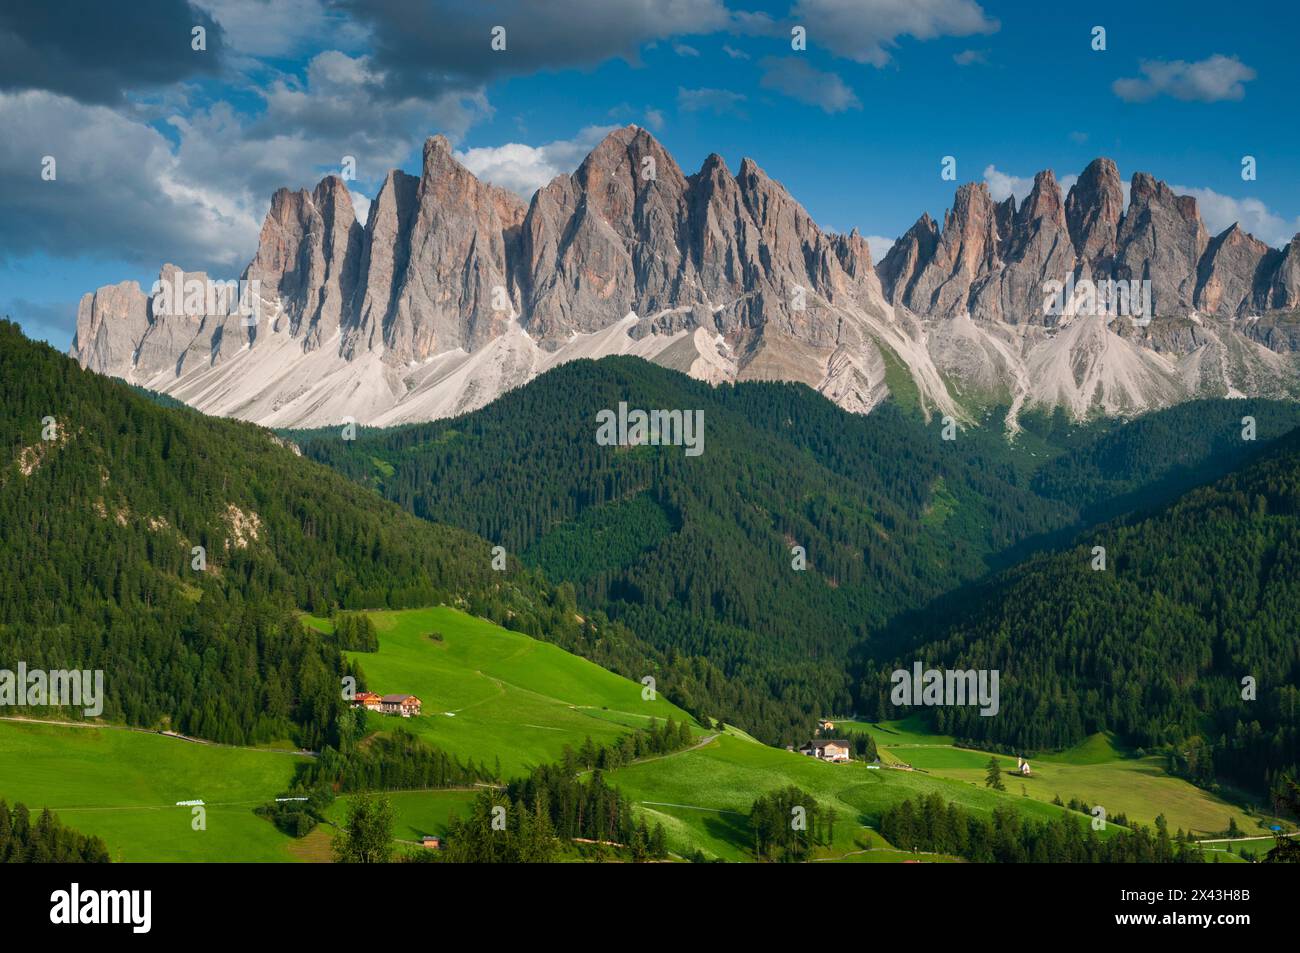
(166, 153)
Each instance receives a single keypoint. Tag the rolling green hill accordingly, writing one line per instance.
(123, 785)
(489, 693)
(172, 551)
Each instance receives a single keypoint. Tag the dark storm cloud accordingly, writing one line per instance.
(429, 47)
(94, 51)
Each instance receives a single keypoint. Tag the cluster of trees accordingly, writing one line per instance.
(788, 824)
(532, 818)
(656, 739)
(862, 745)
(297, 812)
(1286, 799)
(355, 632)
(394, 761)
(1185, 642)
(367, 835)
(44, 840)
(501, 831)
(1009, 837)
(1119, 819)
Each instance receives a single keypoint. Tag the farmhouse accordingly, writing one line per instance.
(828, 749)
(404, 705)
(431, 842)
(1022, 766)
(825, 725)
(368, 700)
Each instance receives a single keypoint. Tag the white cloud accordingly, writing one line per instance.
(716, 101)
(198, 194)
(866, 30)
(524, 169)
(879, 246)
(1002, 184)
(971, 57)
(1210, 80)
(361, 205)
(654, 118)
(734, 53)
(121, 190)
(682, 49)
(1221, 211)
(793, 76)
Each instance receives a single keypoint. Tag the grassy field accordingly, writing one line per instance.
(490, 693)
(1095, 772)
(703, 796)
(123, 786)
(418, 812)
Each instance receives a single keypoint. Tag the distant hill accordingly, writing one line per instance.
(695, 553)
(1195, 598)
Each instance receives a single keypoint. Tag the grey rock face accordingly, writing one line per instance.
(456, 262)
(1161, 239)
(1284, 282)
(1093, 210)
(967, 251)
(907, 257)
(386, 251)
(1035, 250)
(111, 322)
(1230, 279)
(456, 290)
(309, 256)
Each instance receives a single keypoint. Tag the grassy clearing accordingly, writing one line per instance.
(490, 693)
(123, 786)
(703, 796)
(1096, 772)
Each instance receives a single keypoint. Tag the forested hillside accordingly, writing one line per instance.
(104, 496)
(694, 553)
(1193, 600)
(98, 529)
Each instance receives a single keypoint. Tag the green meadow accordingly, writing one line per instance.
(123, 786)
(489, 693)
(1095, 772)
(703, 796)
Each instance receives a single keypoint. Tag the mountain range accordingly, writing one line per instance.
(455, 291)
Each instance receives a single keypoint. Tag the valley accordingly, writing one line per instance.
(628, 568)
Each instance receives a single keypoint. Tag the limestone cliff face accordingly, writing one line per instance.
(455, 291)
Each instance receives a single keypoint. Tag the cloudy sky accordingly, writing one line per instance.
(163, 152)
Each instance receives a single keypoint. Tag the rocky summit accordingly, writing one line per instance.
(455, 291)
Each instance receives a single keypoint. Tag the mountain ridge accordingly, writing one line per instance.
(455, 291)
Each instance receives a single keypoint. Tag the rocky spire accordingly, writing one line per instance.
(1161, 239)
(1093, 210)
